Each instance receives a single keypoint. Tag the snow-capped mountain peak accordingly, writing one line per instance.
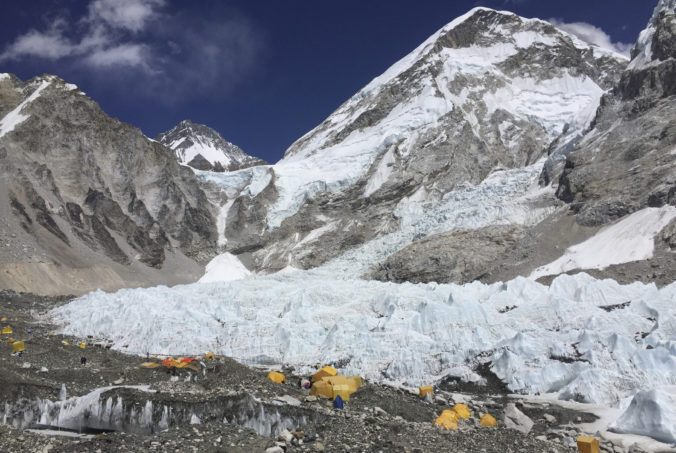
(506, 84)
(203, 148)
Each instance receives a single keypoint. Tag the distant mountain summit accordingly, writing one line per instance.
(203, 148)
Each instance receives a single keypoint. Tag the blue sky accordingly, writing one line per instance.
(262, 73)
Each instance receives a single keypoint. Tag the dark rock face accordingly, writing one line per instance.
(446, 257)
(200, 163)
(664, 41)
(626, 161)
(87, 179)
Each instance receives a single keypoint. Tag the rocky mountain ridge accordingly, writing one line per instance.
(489, 136)
(627, 160)
(92, 201)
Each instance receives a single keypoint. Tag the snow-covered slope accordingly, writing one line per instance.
(500, 76)
(190, 141)
(630, 239)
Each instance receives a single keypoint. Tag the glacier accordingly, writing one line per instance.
(589, 340)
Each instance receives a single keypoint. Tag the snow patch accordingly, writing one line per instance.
(222, 221)
(224, 268)
(383, 172)
(630, 239)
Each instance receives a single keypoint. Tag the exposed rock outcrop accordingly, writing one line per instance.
(83, 190)
(628, 159)
(453, 257)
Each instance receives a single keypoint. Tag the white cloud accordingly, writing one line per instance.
(135, 55)
(131, 15)
(145, 44)
(98, 45)
(592, 35)
(45, 45)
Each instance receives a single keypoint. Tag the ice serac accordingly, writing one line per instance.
(89, 202)
(488, 92)
(651, 413)
(627, 161)
(204, 149)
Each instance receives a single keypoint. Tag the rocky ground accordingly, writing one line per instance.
(230, 407)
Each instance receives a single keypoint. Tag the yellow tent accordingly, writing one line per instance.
(65, 342)
(448, 419)
(210, 356)
(488, 420)
(462, 410)
(358, 381)
(7, 330)
(18, 346)
(274, 376)
(343, 390)
(588, 444)
(335, 380)
(83, 345)
(324, 372)
(424, 390)
(322, 388)
(353, 382)
(3, 319)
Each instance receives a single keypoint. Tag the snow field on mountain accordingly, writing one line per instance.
(584, 339)
(204, 147)
(630, 239)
